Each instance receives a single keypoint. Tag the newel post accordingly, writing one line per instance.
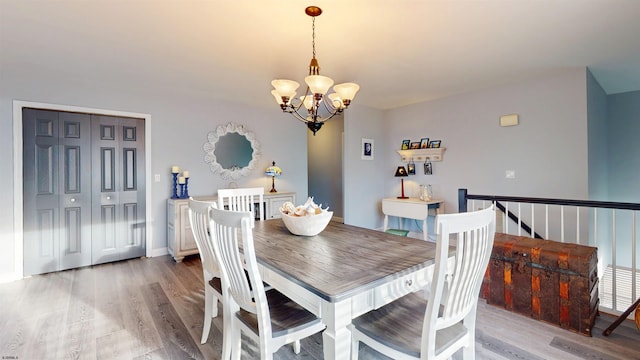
(462, 200)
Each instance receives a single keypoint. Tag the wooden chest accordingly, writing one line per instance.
(546, 280)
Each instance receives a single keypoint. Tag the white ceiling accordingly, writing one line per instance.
(400, 52)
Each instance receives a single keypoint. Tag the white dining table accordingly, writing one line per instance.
(343, 272)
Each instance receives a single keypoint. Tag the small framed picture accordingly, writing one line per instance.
(367, 149)
(434, 144)
(415, 145)
(428, 168)
(405, 144)
(411, 168)
(424, 143)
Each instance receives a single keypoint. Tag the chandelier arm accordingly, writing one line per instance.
(328, 105)
(331, 114)
(294, 111)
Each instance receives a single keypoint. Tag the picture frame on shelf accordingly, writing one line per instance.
(367, 149)
(415, 145)
(405, 144)
(424, 143)
(434, 144)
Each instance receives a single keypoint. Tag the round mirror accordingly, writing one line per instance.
(231, 150)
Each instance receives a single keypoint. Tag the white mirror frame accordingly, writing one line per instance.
(210, 147)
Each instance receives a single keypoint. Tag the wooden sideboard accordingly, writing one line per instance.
(180, 241)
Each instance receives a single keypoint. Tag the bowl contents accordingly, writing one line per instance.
(309, 208)
(308, 219)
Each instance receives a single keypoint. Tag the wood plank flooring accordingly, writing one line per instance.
(153, 309)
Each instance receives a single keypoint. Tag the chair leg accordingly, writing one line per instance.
(469, 352)
(227, 336)
(355, 344)
(210, 311)
(296, 347)
(236, 336)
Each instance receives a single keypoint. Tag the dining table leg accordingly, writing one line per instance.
(336, 338)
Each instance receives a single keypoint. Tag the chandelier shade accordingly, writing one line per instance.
(318, 84)
(317, 104)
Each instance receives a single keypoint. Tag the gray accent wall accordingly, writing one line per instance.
(624, 165)
(324, 154)
(624, 146)
(598, 139)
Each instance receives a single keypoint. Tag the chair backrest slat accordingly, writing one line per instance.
(242, 199)
(199, 221)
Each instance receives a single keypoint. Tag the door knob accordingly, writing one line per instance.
(108, 197)
(73, 200)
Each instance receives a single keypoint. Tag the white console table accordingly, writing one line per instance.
(180, 241)
(410, 208)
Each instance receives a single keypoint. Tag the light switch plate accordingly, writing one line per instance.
(510, 174)
(156, 177)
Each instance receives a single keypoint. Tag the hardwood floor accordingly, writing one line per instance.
(153, 309)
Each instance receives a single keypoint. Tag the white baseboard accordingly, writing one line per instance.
(8, 277)
(159, 252)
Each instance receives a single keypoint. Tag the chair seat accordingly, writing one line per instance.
(286, 315)
(216, 284)
(395, 326)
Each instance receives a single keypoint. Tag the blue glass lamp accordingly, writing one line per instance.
(273, 171)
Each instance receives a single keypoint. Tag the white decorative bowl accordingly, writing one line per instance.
(309, 225)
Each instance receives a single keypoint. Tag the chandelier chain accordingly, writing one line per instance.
(313, 36)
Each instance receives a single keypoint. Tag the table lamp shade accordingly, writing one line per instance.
(273, 171)
(401, 171)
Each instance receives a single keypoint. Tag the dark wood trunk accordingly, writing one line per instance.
(547, 280)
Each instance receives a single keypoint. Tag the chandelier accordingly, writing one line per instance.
(315, 106)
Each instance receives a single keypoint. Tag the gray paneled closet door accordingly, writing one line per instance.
(57, 197)
(84, 189)
(118, 206)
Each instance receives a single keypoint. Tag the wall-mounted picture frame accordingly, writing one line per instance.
(428, 168)
(424, 143)
(434, 144)
(405, 144)
(411, 167)
(415, 145)
(366, 151)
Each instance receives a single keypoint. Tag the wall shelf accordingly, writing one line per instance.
(422, 154)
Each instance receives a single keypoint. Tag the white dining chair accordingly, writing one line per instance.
(268, 317)
(199, 220)
(243, 199)
(448, 317)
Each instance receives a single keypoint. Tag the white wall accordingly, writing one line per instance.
(547, 150)
(180, 123)
(364, 180)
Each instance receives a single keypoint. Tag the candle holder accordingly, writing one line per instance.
(174, 189)
(184, 189)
